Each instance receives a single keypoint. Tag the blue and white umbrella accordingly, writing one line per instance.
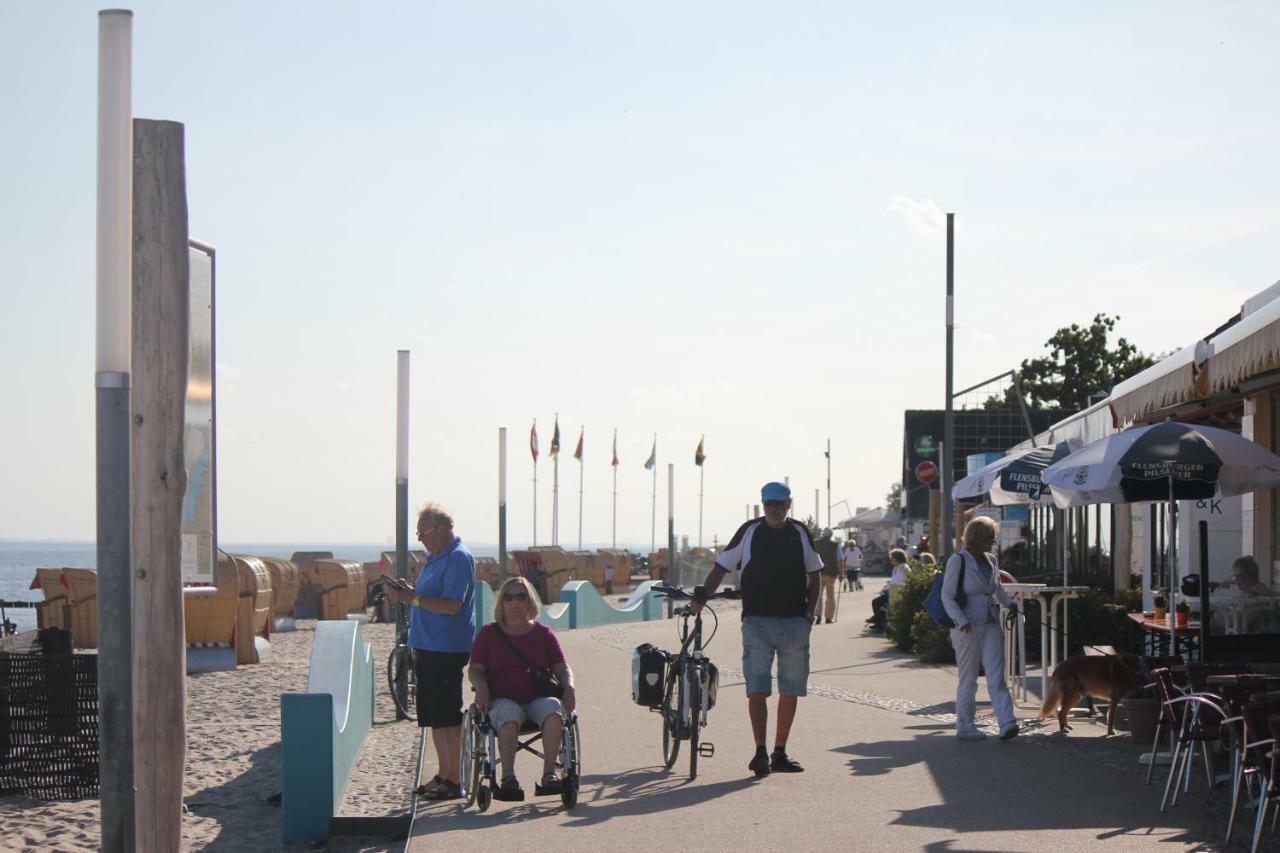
(1015, 479)
(1168, 461)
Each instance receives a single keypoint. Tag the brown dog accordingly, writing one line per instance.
(1109, 677)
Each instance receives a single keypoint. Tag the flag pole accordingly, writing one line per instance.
(653, 522)
(615, 488)
(401, 686)
(702, 472)
(502, 506)
(555, 482)
(580, 468)
(828, 482)
(535, 489)
(671, 520)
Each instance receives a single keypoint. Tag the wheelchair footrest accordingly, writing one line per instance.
(706, 749)
(549, 791)
(508, 797)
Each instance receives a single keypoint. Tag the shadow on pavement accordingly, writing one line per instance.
(988, 786)
(642, 791)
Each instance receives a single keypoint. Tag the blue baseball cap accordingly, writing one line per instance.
(775, 492)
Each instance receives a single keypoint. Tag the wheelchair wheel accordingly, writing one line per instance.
(472, 756)
(484, 796)
(672, 700)
(577, 747)
(400, 662)
(569, 793)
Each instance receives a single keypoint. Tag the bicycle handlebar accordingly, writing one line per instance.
(684, 595)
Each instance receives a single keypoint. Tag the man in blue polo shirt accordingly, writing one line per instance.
(777, 569)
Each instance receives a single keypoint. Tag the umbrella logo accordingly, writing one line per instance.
(978, 485)
(1081, 474)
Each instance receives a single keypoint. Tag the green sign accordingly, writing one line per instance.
(926, 447)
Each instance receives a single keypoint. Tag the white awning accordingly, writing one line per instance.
(1177, 379)
(1250, 347)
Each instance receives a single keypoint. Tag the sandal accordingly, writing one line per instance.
(550, 784)
(427, 787)
(509, 791)
(446, 790)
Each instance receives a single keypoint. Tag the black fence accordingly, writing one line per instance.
(49, 725)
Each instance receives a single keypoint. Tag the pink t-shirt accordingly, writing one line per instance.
(505, 672)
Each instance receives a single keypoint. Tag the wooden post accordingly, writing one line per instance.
(161, 317)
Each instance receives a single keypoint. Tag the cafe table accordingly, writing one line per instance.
(1158, 637)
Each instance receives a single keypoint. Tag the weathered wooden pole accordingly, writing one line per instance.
(161, 320)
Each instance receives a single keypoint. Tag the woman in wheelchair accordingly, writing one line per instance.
(507, 690)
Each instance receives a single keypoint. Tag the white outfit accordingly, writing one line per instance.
(985, 641)
(898, 578)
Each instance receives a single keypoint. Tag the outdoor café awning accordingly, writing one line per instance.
(1177, 379)
(1250, 347)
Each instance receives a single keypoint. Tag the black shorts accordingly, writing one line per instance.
(439, 687)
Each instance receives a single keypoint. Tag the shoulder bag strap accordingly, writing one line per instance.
(503, 634)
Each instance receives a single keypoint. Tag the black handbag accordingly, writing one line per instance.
(545, 683)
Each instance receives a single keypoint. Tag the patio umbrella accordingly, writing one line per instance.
(1015, 479)
(1168, 461)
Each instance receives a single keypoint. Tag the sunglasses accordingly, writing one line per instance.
(774, 504)
(515, 596)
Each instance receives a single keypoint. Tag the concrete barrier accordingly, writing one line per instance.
(587, 609)
(323, 730)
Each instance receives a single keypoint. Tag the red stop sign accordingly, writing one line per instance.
(926, 472)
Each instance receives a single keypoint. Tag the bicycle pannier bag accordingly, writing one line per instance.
(648, 671)
(712, 685)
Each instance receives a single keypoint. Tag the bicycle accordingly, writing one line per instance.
(686, 692)
(400, 670)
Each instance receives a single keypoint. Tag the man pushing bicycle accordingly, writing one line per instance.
(777, 568)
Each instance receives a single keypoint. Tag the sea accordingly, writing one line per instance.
(20, 559)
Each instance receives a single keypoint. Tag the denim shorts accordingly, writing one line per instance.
(503, 711)
(762, 637)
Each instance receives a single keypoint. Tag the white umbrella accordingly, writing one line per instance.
(1165, 461)
(1015, 479)
(1168, 461)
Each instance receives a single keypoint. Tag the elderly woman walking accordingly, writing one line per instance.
(442, 625)
(971, 593)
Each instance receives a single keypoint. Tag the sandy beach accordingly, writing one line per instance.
(233, 762)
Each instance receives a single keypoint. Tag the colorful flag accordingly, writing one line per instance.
(577, 454)
(653, 455)
(533, 440)
(555, 439)
(614, 463)
(698, 456)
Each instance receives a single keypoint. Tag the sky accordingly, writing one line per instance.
(720, 219)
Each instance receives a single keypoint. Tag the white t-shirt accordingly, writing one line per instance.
(852, 558)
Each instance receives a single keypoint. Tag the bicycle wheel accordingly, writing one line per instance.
(695, 722)
(672, 710)
(401, 661)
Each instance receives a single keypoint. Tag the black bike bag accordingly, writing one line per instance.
(648, 671)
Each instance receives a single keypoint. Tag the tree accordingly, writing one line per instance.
(894, 498)
(1081, 362)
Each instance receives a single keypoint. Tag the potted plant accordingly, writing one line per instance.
(1142, 713)
(1182, 614)
(1161, 605)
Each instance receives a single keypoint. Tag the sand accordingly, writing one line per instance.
(233, 762)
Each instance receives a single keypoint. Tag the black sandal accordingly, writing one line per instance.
(446, 790)
(427, 787)
(509, 791)
(551, 784)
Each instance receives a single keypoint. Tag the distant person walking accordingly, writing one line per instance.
(442, 626)
(978, 637)
(777, 569)
(852, 560)
(829, 551)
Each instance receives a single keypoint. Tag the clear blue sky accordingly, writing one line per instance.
(718, 218)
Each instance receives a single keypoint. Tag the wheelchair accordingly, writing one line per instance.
(480, 758)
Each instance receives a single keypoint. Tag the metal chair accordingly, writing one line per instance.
(1269, 797)
(1249, 759)
(1199, 717)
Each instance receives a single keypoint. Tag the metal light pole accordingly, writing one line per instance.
(111, 381)
(502, 506)
(402, 513)
(671, 520)
(947, 544)
(828, 483)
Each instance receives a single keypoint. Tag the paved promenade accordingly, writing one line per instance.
(884, 770)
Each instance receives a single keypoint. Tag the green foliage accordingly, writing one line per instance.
(930, 641)
(1095, 618)
(905, 602)
(1081, 361)
(894, 499)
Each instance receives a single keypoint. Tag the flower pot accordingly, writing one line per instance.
(1143, 714)
(1160, 614)
(1182, 618)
